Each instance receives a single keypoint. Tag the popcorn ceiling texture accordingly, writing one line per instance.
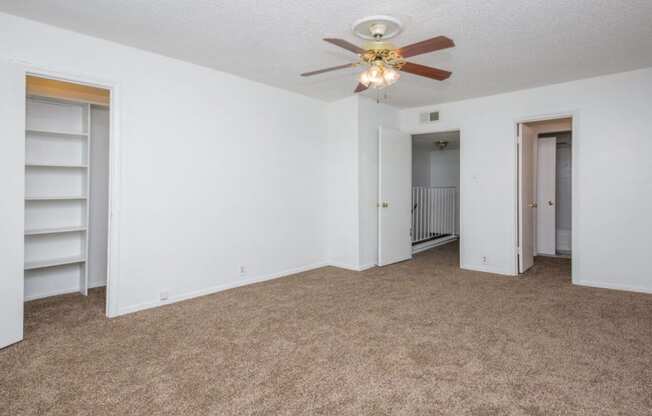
(502, 45)
(420, 337)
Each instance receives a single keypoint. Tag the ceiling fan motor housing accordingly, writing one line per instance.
(377, 30)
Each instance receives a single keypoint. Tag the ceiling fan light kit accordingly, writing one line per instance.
(383, 60)
(379, 76)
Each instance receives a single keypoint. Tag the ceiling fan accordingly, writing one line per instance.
(383, 60)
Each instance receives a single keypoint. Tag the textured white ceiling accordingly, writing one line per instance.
(502, 45)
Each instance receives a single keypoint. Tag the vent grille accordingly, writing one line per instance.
(429, 117)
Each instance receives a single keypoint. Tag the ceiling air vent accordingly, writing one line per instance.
(429, 117)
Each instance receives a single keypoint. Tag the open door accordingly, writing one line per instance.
(526, 197)
(546, 196)
(12, 172)
(394, 196)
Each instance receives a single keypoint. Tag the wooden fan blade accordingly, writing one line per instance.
(321, 71)
(361, 87)
(346, 45)
(430, 45)
(426, 71)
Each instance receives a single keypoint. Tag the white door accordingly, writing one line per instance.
(526, 197)
(546, 195)
(12, 188)
(394, 196)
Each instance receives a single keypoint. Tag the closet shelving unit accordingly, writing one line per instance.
(57, 188)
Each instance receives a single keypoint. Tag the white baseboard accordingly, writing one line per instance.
(612, 286)
(485, 268)
(342, 266)
(51, 293)
(58, 292)
(93, 285)
(215, 289)
(434, 243)
(366, 267)
(350, 267)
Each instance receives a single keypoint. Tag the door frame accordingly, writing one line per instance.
(115, 177)
(447, 129)
(575, 254)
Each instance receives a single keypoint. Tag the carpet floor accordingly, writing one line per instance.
(417, 338)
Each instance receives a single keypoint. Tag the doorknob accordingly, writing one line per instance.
(550, 203)
(385, 205)
(532, 205)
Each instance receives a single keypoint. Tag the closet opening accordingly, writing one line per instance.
(67, 170)
(545, 154)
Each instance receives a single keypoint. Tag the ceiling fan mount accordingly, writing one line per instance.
(383, 60)
(377, 27)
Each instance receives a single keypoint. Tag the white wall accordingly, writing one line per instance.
(611, 222)
(342, 184)
(216, 171)
(445, 167)
(420, 165)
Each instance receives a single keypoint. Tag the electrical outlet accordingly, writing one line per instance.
(484, 260)
(243, 270)
(164, 295)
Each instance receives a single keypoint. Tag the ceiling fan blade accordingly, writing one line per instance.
(361, 87)
(321, 71)
(346, 45)
(430, 45)
(426, 71)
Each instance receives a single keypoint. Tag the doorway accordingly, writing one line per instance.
(544, 193)
(67, 171)
(435, 189)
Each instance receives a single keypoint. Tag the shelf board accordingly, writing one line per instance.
(55, 198)
(40, 264)
(58, 230)
(57, 132)
(55, 165)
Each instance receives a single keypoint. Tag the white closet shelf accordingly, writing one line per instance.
(58, 230)
(55, 198)
(57, 132)
(55, 165)
(40, 264)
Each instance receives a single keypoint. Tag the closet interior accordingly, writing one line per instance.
(66, 187)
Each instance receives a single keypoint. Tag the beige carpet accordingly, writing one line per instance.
(416, 338)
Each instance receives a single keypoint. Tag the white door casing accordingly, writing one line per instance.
(12, 223)
(394, 196)
(546, 196)
(526, 196)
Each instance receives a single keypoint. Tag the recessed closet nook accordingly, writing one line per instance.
(66, 187)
